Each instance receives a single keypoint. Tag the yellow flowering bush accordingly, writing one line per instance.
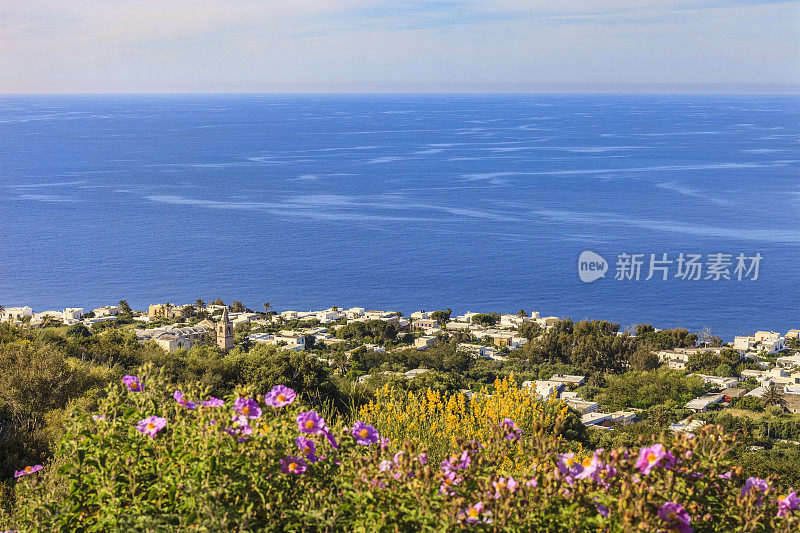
(435, 421)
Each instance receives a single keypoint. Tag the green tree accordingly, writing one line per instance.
(772, 396)
(644, 359)
(125, 309)
(441, 317)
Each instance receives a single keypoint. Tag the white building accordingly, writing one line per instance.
(72, 313)
(284, 339)
(718, 381)
(789, 361)
(420, 315)
(106, 310)
(422, 343)
(767, 341)
(14, 314)
(704, 402)
(567, 379)
(544, 389)
(172, 337)
(582, 406)
(595, 419)
(466, 317)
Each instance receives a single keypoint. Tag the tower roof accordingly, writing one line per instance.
(225, 316)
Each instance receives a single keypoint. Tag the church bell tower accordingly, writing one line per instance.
(225, 332)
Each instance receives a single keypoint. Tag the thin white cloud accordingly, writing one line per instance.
(51, 45)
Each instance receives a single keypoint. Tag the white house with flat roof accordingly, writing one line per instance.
(544, 389)
(568, 379)
(72, 313)
(14, 314)
(422, 343)
(702, 403)
(719, 381)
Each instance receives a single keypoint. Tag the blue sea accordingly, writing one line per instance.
(406, 202)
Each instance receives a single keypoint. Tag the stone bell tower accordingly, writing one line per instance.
(225, 332)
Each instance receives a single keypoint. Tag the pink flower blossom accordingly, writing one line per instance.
(310, 422)
(151, 425)
(247, 407)
(31, 469)
(280, 396)
(178, 395)
(676, 517)
(307, 447)
(504, 485)
(756, 486)
(788, 503)
(293, 465)
(649, 458)
(364, 433)
(213, 402)
(475, 514)
(133, 383)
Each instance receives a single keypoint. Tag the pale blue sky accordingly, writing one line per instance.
(399, 45)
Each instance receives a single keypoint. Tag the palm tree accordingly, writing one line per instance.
(267, 307)
(200, 304)
(772, 396)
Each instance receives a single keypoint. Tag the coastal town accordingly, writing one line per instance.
(770, 360)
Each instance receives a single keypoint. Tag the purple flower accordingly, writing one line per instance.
(788, 503)
(512, 432)
(31, 469)
(450, 478)
(98, 418)
(364, 433)
(568, 466)
(214, 402)
(331, 439)
(755, 485)
(423, 458)
(293, 465)
(178, 395)
(247, 407)
(726, 475)
(151, 425)
(241, 429)
(455, 462)
(307, 448)
(649, 457)
(604, 511)
(504, 485)
(133, 383)
(676, 517)
(310, 422)
(385, 465)
(475, 514)
(532, 483)
(384, 443)
(280, 396)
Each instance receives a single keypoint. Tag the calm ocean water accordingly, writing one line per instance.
(403, 202)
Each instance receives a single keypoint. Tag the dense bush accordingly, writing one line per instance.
(643, 390)
(154, 459)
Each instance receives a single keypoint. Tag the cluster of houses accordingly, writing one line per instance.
(785, 375)
(503, 334)
(560, 386)
(69, 316)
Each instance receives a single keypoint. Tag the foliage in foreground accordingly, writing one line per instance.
(152, 458)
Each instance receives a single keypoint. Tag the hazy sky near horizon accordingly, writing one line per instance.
(397, 45)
